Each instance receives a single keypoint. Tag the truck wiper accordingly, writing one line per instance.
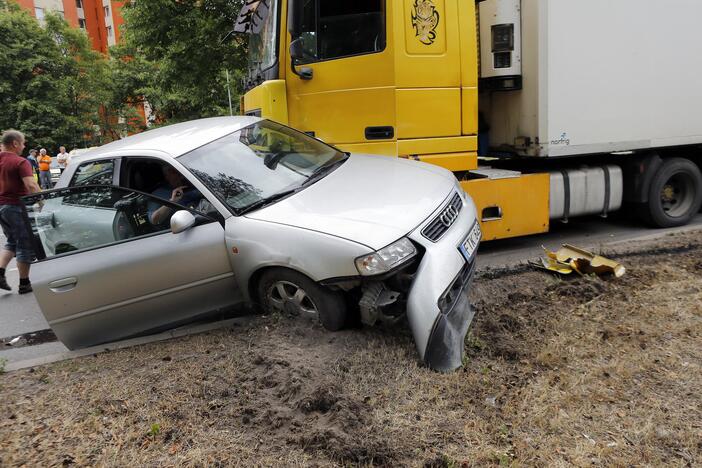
(268, 200)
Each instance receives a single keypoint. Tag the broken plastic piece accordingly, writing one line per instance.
(569, 259)
(553, 265)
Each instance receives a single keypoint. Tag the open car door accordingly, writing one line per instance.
(105, 272)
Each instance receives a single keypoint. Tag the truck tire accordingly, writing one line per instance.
(675, 194)
(292, 293)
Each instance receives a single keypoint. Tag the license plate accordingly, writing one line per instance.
(470, 245)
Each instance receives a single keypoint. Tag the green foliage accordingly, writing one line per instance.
(174, 56)
(54, 85)
(3, 361)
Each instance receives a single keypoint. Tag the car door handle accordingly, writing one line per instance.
(63, 285)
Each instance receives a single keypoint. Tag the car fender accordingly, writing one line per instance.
(254, 244)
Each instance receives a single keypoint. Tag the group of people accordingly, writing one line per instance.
(41, 164)
(16, 180)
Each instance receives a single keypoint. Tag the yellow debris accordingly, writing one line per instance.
(570, 259)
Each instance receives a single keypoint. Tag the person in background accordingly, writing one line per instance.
(32, 158)
(16, 180)
(62, 159)
(44, 161)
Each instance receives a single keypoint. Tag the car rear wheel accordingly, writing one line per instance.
(292, 293)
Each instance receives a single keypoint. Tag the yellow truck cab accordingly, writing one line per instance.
(550, 107)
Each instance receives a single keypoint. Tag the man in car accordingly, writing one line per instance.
(175, 189)
(16, 180)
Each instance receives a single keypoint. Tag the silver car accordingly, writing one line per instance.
(165, 226)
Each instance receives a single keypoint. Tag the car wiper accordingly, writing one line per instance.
(268, 200)
(323, 171)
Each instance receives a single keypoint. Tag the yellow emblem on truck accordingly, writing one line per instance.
(425, 19)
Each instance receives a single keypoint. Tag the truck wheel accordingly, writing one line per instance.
(292, 293)
(675, 194)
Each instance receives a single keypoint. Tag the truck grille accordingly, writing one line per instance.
(444, 220)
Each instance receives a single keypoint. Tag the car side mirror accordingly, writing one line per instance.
(182, 220)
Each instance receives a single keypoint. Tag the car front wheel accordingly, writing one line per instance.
(292, 293)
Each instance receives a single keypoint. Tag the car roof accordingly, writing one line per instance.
(176, 139)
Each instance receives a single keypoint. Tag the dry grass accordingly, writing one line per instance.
(575, 372)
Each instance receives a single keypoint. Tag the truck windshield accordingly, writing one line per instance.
(263, 39)
(261, 164)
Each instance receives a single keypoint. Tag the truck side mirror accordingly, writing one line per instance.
(296, 49)
(296, 54)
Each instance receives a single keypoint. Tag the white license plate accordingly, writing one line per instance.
(470, 245)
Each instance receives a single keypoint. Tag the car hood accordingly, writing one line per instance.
(372, 200)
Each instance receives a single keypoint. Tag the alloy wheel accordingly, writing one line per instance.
(289, 298)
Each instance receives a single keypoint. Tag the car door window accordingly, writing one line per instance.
(154, 177)
(88, 217)
(94, 173)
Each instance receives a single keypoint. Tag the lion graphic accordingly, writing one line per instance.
(425, 19)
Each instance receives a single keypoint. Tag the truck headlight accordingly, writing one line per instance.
(387, 258)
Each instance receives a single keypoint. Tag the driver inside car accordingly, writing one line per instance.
(176, 189)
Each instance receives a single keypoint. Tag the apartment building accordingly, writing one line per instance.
(100, 19)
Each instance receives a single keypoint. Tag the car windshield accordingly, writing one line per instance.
(261, 164)
(263, 37)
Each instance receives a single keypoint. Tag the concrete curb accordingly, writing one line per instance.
(167, 335)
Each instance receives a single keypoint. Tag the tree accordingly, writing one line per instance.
(54, 86)
(31, 98)
(174, 56)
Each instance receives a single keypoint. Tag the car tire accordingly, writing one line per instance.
(675, 194)
(292, 293)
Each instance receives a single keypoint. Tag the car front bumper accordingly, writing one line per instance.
(439, 326)
(444, 350)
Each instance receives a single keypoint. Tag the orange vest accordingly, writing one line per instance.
(44, 162)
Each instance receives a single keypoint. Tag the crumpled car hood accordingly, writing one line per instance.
(372, 200)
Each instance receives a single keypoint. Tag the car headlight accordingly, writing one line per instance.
(387, 258)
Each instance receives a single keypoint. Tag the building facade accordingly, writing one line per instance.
(101, 19)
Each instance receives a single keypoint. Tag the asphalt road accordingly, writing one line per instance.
(21, 314)
(589, 233)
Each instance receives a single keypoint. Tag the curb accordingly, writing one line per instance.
(167, 335)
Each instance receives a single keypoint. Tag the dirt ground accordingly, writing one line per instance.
(558, 372)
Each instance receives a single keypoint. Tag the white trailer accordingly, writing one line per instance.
(613, 80)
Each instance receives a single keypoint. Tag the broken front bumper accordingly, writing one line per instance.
(438, 309)
(444, 351)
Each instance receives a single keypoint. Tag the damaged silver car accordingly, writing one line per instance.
(165, 226)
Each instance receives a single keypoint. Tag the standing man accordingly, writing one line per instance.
(16, 180)
(32, 158)
(44, 161)
(62, 159)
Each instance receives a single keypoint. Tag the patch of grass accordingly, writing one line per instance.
(548, 382)
(154, 430)
(503, 459)
(474, 342)
(3, 363)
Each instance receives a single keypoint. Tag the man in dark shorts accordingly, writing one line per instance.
(16, 180)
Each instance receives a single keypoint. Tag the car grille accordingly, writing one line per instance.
(444, 220)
